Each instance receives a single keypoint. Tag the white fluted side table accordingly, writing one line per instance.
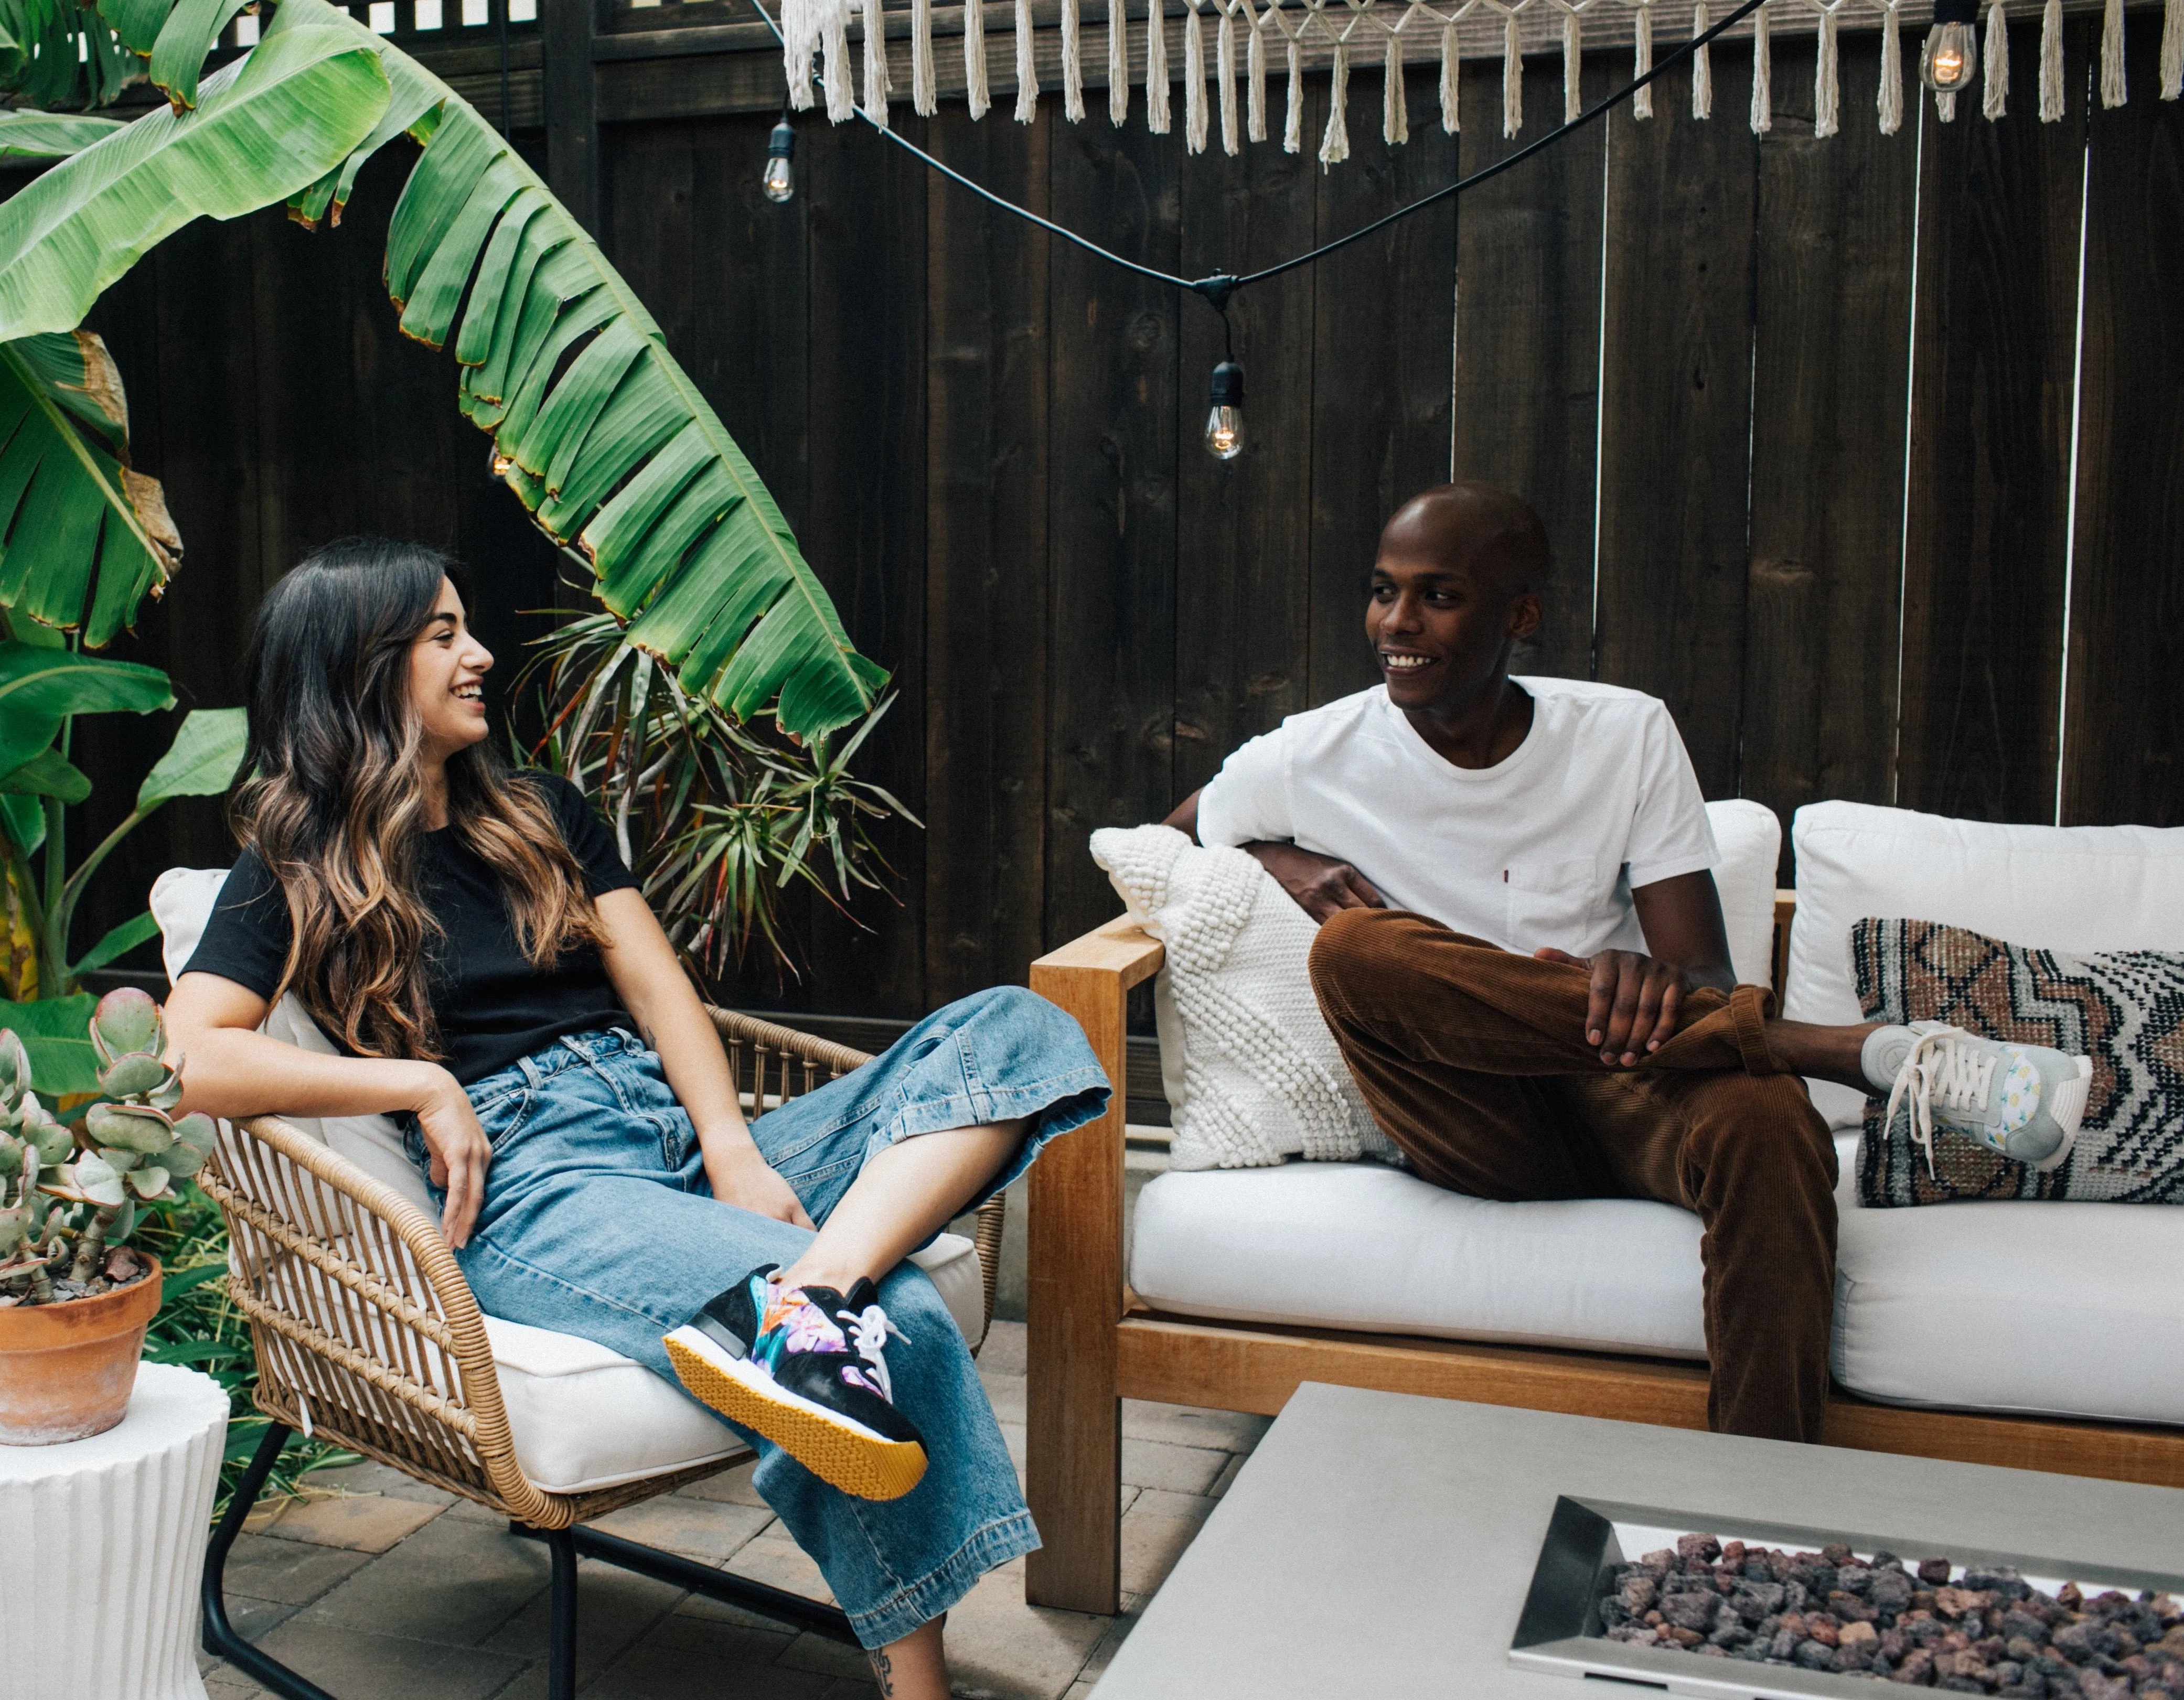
(107, 1540)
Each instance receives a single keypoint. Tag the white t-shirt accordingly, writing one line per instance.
(1542, 848)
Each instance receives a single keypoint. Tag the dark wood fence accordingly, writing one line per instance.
(1864, 454)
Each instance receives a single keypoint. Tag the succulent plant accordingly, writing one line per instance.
(71, 1194)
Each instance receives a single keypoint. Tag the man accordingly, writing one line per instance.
(1521, 953)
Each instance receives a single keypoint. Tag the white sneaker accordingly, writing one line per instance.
(2023, 1102)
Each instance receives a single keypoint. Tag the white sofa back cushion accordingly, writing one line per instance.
(1749, 837)
(2078, 889)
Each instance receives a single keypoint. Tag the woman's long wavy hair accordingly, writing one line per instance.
(334, 797)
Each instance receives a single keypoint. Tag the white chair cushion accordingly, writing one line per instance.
(1360, 1245)
(581, 1415)
(2079, 889)
(1749, 837)
(2052, 1309)
(584, 1417)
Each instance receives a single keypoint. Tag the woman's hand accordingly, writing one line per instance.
(1634, 1003)
(740, 1175)
(1320, 883)
(460, 1152)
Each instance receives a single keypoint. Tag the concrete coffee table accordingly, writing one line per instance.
(1380, 1545)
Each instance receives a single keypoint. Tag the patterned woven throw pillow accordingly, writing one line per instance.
(1253, 1077)
(2124, 1010)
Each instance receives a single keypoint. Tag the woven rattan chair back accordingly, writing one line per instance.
(366, 1332)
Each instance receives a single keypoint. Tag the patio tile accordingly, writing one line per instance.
(829, 1657)
(730, 1486)
(1227, 1475)
(363, 1523)
(1003, 1354)
(377, 1478)
(1118, 1631)
(1007, 1394)
(1158, 1501)
(1127, 1498)
(697, 1659)
(1179, 1469)
(615, 1610)
(1013, 1436)
(1001, 1647)
(1151, 1546)
(224, 1684)
(709, 1529)
(358, 1664)
(289, 1572)
(452, 1584)
(1187, 1425)
(779, 1561)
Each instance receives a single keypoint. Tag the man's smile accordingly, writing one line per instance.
(1405, 660)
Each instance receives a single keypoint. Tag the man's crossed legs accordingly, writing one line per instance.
(1474, 1061)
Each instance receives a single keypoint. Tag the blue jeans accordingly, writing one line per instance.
(598, 1221)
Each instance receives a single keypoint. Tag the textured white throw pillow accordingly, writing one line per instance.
(1261, 1079)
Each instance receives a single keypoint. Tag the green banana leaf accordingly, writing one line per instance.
(85, 536)
(58, 53)
(613, 449)
(201, 762)
(265, 127)
(56, 1032)
(184, 39)
(39, 687)
(48, 774)
(27, 134)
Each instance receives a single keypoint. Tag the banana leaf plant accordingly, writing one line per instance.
(597, 432)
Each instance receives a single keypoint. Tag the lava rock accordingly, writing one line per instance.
(1703, 1546)
(1889, 1592)
(1689, 1610)
(1640, 1591)
(1756, 1600)
(2022, 1625)
(1813, 1655)
(1935, 1571)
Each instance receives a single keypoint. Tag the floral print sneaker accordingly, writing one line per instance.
(807, 1368)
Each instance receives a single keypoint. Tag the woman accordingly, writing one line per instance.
(471, 940)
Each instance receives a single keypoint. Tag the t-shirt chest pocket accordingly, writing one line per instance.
(1551, 903)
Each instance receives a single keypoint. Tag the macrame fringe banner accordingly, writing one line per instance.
(1387, 29)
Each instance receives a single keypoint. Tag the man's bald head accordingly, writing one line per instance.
(1481, 528)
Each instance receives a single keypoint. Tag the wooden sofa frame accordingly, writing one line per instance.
(1092, 1343)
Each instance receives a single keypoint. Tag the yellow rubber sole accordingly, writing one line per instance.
(858, 1462)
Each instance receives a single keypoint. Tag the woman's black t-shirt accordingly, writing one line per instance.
(493, 1006)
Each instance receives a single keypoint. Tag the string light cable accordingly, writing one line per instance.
(1224, 425)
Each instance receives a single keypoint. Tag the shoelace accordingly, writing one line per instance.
(869, 1332)
(1939, 1066)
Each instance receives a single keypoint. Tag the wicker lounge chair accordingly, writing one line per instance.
(367, 1334)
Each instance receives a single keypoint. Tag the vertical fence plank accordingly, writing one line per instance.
(1675, 407)
(1527, 416)
(1243, 527)
(1831, 365)
(752, 350)
(2123, 739)
(865, 536)
(1111, 492)
(986, 531)
(1991, 402)
(1383, 357)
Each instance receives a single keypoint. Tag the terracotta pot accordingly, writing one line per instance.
(66, 1371)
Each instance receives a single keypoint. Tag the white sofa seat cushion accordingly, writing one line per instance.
(1363, 1246)
(2048, 1309)
(581, 1416)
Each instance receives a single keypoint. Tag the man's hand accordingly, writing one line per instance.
(1632, 1011)
(460, 1152)
(1320, 883)
(740, 1175)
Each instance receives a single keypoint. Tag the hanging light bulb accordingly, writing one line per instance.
(1952, 53)
(1224, 425)
(780, 178)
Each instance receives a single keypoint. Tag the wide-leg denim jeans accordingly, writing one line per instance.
(598, 1221)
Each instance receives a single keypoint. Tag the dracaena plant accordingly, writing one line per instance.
(71, 1194)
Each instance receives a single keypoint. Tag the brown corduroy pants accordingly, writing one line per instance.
(1474, 1061)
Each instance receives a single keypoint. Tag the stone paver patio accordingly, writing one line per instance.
(379, 1588)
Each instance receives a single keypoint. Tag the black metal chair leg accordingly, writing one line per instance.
(222, 1638)
(561, 1625)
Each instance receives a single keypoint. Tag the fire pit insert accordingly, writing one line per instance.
(1574, 1597)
